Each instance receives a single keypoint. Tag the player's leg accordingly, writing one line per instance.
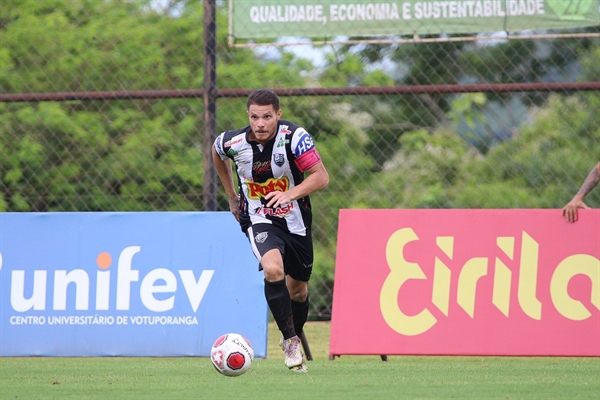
(298, 263)
(268, 247)
(299, 299)
(276, 292)
(279, 301)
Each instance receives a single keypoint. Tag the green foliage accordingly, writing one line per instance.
(346, 70)
(534, 170)
(591, 66)
(378, 78)
(252, 71)
(79, 49)
(543, 159)
(114, 155)
(422, 173)
(463, 109)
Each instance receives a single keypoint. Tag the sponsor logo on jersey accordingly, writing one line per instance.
(260, 167)
(232, 141)
(275, 212)
(282, 142)
(257, 190)
(305, 143)
(284, 129)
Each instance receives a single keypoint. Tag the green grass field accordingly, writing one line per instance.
(347, 377)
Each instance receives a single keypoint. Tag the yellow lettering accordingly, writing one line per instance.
(567, 269)
(507, 245)
(400, 272)
(446, 243)
(441, 276)
(470, 273)
(501, 294)
(528, 278)
(503, 275)
(441, 286)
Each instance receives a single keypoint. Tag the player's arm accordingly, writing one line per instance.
(223, 168)
(569, 211)
(317, 178)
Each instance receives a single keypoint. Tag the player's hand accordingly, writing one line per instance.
(234, 207)
(570, 210)
(277, 199)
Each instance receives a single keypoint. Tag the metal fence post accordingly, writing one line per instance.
(209, 189)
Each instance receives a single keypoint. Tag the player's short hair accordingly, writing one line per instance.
(263, 97)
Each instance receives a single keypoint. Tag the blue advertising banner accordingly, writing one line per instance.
(126, 284)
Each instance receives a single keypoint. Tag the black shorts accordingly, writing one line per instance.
(296, 250)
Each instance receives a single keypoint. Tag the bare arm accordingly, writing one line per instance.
(569, 211)
(317, 179)
(225, 173)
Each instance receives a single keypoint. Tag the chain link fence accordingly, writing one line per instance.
(102, 110)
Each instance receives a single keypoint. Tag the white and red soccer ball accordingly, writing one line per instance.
(232, 354)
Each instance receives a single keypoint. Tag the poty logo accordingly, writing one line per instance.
(258, 190)
(159, 280)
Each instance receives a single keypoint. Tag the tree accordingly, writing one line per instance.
(112, 155)
(444, 63)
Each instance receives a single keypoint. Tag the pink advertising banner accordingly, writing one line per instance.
(466, 282)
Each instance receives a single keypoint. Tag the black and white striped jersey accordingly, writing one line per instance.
(279, 165)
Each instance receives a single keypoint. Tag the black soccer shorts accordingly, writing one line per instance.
(296, 250)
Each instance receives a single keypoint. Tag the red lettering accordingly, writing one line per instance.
(258, 190)
(276, 212)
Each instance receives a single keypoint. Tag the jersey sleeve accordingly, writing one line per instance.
(305, 152)
(218, 145)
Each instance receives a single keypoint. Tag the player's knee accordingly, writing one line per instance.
(298, 294)
(273, 274)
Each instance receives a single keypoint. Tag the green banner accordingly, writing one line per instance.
(259, 19)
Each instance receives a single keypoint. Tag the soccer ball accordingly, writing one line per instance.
(232, 354)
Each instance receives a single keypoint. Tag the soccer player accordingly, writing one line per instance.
(570, 210)
(272, 205)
